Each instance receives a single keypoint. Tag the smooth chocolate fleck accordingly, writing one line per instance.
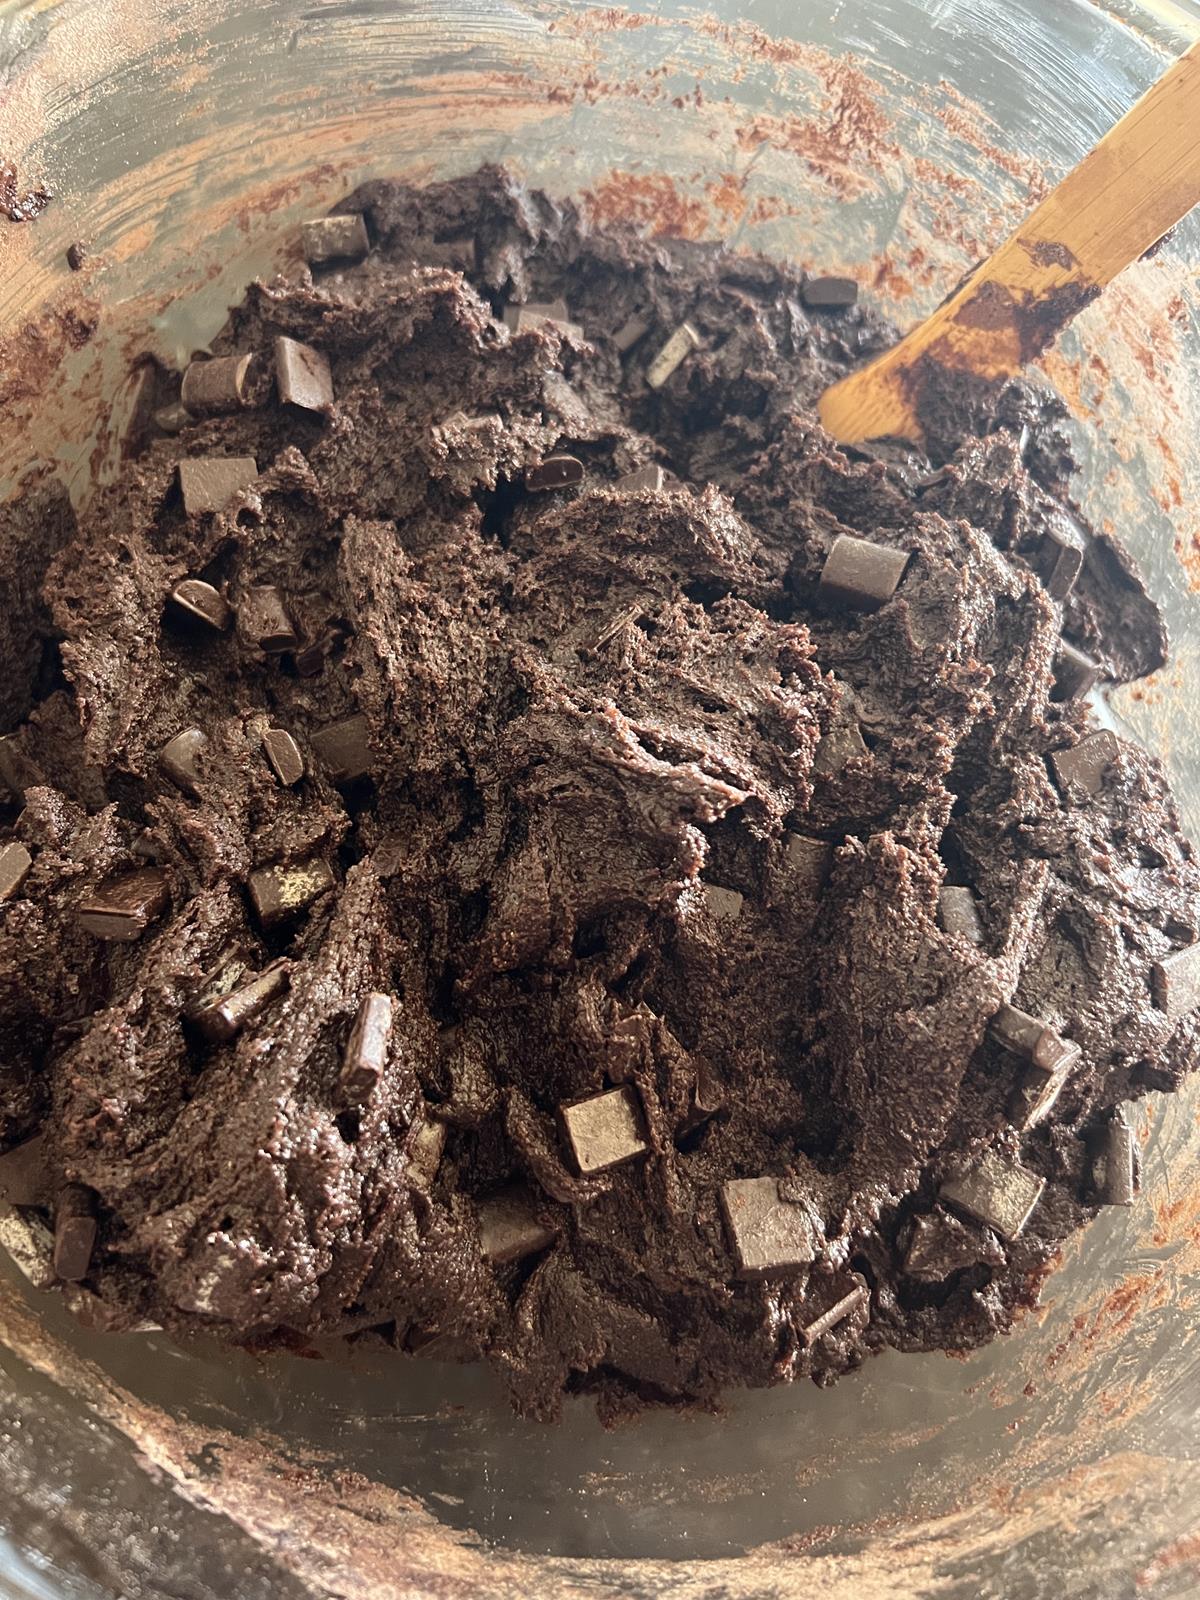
(1175, 979)
(15, 862)
(682, 343)
(366, 1052)
(998, 1192)
(509, 1226)
(221, 1018)
(200, 600)
(302, 375)
(958, 912)
(216, 385)
(179, 756)
(1028, 1036)
(768, 1235)
(125, 907)
(209, 483)
(829, 293)
(861, 573)
(284, 891)
(605, 1131)
(283, 753)
(1084, 765)
(555, 472)
(344, 748)
(336, 238)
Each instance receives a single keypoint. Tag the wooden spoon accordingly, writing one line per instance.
(1121, 198)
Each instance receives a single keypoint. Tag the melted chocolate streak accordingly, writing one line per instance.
(586, 709)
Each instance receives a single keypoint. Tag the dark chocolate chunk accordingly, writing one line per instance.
(941, 1245)
(366, 1051)
(604, 1131)
(75, 1231)
(523, 319)
(844, 742)
(17, 771)
(201, 601)
(282, 751)
(673, 354)
(124, 908)
(829, 292)
(212, 387)
(425, 1151)
(509, 1226)
(1061, 555)
(15, 862)
(179, 756)
(724, 903)
(224, 1016)
(77, 255)
(344, 748)
(998, 1192)
(302, 375)
(284, 891)
(1113, 1163)
(556, 472)
(860, 573)
(173, 418)
(768, 1234)
(1086, 763)
(25, 1179)
(838, 1312)
(649, 477)
(209, 483)
(1175, 980)
(338, 238)
(264, 621)
(312, 658)
(631, 331)
(1074, 672)
(1028, 1036)
(29, 1245)
(958, 912)
(809, 859)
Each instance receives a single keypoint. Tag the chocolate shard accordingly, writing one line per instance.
(302, 375)
(200, 600)
(998, 1191)
(1113, 1163)
(17, 771)
(24, 1176)
(283, 891)
(209, 483)
(838, 1312)
(555, 472)
(640, 479)
(829, 292)
(941, 1245)
(124, 908)
(958, 912)
(366, 1052)
(1175, 981)
(673, 354)
(525, 318)
(338, 238)
(810, 860)
(344, 748)
(632, 331)
(1074, 672)
(283, 753)
(768, 1235)
(179, 756)
(212, 387)
(605, 1131)
(264, 621)
(844, 742)
(510, 1228)
(1046, 1051)
(724, 903)
(1061, 555)
(425, 1151)
(223, 1017)
(15, 862)
(1085, 764)
(75, 1231)
(860, 573)
(310, 661)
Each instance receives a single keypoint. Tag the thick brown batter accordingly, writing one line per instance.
(624, 1032)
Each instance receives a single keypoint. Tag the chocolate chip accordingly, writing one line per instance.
(311, 660)
(1028, 1036)
(24, 1177)
(677, 349)
(723, 903)
(76, 256)
(998, 1192)
(366, 1051)
(209, 483)
(179, 756)
(768, 1234)
(958, 912)
(526, 318)
(172, 419)
(1113, 1163)
(339, 238)
(556, 472)
(302, 375)
(844, 742)
(648, 477)
(809, 859)
(829, 292)
(838, 1312)
(1061, 556)
(1175, 980)
(1085, 764)
(15, 862)
(125, 907)
(264, 621)
(283, 891)
(860, 573)
(941, 1244)
(219, 385)
(344, 748)
(605, 1131)
(17, 771)
(1074, 672)
(509, 1226)
(74, 1233)
(282, 751)
(200, 600)
(425, 1151)
(224, 1016)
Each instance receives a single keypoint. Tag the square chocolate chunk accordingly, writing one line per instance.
(15, 862)
(203, 603)
(1175, 980)
(340, 238)
(344, 748)
(1113, 1155)
(284, 891)
(768, 1235)
(605, 1131)
(809, 860)
(219, 385)
(125, 907)
(648, 477)
(283, 753)
(302, 375)
(209, 483)
(1074, 672)
(509, 1226)
(999, 1192)
(74, 1233)
(1086, 763)
(860, 573)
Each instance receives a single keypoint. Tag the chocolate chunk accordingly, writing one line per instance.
(338, 238)
(15, 862)
(829, 292)
(29, 1244)
(677, 349)
(809, 859)
(224, 1016)
(302, 375)
(723, 903)
(838, 1312)
(1113, 1163)
(125, 907)
(631, 331)
(768, 1234)
(24, 1177)
(17, 771)
(284, 891)
(200, 600)
(344, 748)
(425, 1151)
(1061, 555)
(1086, 763)
(209, 483)
(1074, 672)
(173, 418)
(282, 751)
(958, 912)
(524, 319)
(74, 1233)
(426, 1344)
(1175, 980)
(263, 620)
(941, 1245)
(604, 1131)
(179, 756)
(860, 573)
(77, 255)
(648, 477)
(212, 387)
(509, 1226)
(998, 1192)
(556, 472)
(366, 1051)
(844, 742)
(311, 660)
(1051, 1059)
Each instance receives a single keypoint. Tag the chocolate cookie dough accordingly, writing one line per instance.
(516, 846)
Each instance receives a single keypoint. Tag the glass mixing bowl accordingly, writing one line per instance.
(897, 140)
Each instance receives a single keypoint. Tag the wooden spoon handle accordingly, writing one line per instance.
(1122, 197)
